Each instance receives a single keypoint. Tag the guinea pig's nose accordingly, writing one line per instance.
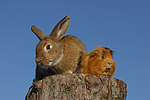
(109, 63)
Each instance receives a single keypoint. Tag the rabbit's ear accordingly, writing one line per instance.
(61, 28)
(38, 32)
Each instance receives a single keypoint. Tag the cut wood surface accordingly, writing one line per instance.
(77, 87)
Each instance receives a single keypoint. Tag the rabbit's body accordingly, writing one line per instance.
(99, 61)
(56, 54)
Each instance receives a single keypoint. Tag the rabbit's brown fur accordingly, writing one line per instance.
(56, 53)
(99, 61)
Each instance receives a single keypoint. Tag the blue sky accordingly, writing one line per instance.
(122, 25)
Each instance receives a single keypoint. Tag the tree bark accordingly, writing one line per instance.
(77, 87)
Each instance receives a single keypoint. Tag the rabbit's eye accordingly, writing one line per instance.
(48, 47)
(103, 55)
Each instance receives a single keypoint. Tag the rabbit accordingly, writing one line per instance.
(99, 61)
(56, 53)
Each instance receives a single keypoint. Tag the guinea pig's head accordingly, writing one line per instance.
(101, 61)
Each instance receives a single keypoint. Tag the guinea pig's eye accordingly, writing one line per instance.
(103, 55)
(48, 47)
(92, 55)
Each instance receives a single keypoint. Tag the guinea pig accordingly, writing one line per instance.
(98, 62)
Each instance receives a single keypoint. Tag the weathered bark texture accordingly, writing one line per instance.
(78, 87)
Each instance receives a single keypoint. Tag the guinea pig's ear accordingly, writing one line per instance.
(60, 29)
(93, 54)
(38, 32)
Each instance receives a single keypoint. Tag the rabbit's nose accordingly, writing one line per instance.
(38, 61)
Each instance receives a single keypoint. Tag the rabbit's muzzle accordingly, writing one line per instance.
(42, 64)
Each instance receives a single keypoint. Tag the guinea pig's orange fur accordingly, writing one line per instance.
(99, 61)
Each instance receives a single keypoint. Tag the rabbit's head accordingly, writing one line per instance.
(99, 61)
(49, 50)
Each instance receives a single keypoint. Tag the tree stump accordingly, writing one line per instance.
(77, 87)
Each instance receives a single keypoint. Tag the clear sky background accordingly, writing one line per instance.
(122, 25)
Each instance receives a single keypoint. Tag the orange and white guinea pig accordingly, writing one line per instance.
(99, 61)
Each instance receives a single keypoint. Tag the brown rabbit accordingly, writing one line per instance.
(56, 53)
(99, 61)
